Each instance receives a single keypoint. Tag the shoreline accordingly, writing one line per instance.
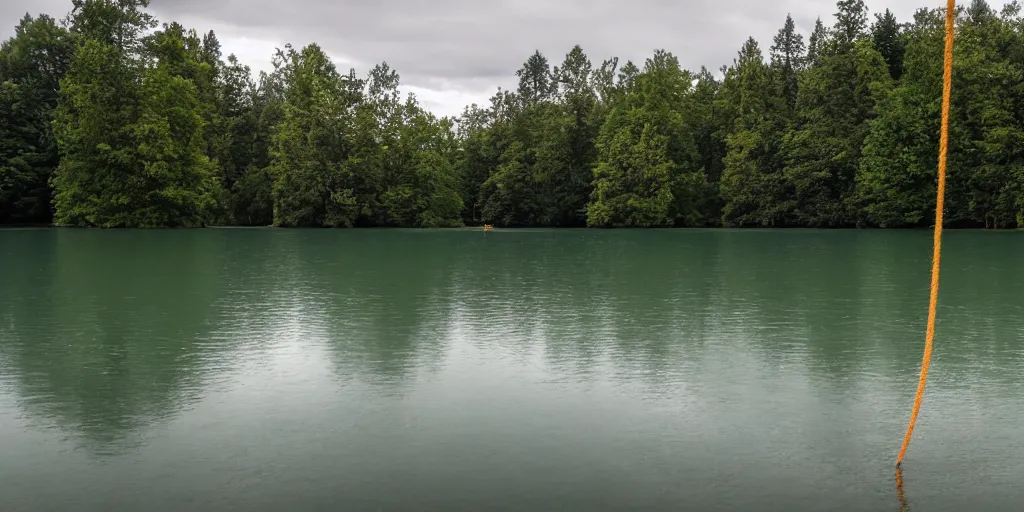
(13, 227)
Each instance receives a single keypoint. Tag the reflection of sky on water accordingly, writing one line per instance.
(637, 359)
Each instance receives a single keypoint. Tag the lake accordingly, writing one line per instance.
(263, 369)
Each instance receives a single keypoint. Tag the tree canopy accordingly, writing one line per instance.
(112, 119)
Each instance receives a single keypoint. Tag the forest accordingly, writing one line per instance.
(109, 119)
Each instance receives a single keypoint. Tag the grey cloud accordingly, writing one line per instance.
(463, 39)
(11, 12)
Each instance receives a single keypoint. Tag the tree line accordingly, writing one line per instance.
(110, 119)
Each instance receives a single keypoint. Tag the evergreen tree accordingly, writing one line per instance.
(837, 100)
(752, 185)
(633, 179)
(851, 23)
(711, 125)
(129, 131)
(580, 124)
(652, 123)
(32, 64)
(536, 82)
(817, 44)
(111, 121)
(312, 148)
(896, 176)
(788, 59)
(889, 40)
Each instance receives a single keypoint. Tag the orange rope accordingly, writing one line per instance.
(934, 298)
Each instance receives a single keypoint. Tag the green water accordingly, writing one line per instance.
(231, 369)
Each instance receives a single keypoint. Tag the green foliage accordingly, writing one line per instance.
(249, 111)
(817, 43)
(31, 66)
(349, 152)
(851, 22)
(438, 204)
(752, 184)
(633, 179)
(788, 54)
(896, 182)
(129, 130)
(822, 153)
(897, 178)
(114, 121)
(652, 123)
(311, 157)
(528, 159)
(890, 40)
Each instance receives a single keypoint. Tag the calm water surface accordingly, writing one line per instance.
(234, 369)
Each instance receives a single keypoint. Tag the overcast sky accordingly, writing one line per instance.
(455, 52)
